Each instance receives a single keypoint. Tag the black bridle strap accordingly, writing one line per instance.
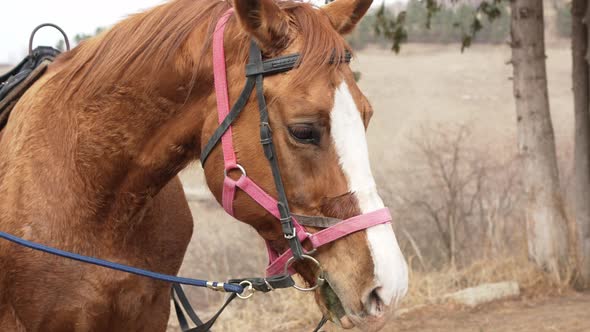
(181, 301)
(231, 117)
(287, 226)
(316, 221)
(268, 284)
(282, 64)
(321, 324)
(206, 327)
(273, 66)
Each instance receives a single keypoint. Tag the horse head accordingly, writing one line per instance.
(318, 117)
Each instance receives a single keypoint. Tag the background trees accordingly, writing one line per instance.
(545, 211)
(581, 79)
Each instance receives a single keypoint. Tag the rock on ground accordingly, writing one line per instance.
(485, 293)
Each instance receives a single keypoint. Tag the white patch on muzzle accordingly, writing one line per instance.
(348, 133)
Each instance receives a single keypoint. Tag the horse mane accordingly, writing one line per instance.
(131, 49)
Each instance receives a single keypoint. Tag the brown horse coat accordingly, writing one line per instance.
(89, 157)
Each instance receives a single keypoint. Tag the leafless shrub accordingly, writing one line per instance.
(456, 200)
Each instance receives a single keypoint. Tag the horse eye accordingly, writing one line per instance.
(305, 134)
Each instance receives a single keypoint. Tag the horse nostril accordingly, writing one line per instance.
(373, 303)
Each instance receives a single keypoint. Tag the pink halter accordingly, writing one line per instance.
(277, 262)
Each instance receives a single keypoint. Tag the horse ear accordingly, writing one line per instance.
(263, 20)
(345, 14)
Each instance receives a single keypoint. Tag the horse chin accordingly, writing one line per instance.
(332, 307)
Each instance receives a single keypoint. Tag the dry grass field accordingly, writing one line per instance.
(434, 84)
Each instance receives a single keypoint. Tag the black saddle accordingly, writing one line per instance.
(14, 83)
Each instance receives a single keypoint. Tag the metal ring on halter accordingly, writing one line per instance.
(320, 279)
(312, 251)
(66, 40)
(238, 167)
(248, 290)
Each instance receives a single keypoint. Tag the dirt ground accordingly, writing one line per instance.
(569, 313)
(287, 310)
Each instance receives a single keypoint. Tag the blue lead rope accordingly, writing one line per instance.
(232, 288)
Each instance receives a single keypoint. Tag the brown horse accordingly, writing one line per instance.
(89, 158)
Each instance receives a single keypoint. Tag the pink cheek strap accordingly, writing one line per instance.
(223, 109)
(331, 234)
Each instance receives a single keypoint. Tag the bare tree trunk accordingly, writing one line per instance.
(415, 247)
(452, 241)
(581, 84)
(545, 217)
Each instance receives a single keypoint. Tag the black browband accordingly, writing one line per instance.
(282, 64)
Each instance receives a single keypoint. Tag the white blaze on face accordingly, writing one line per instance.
(348, 133)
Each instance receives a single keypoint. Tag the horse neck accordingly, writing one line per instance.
(118, 150)
(164, 135)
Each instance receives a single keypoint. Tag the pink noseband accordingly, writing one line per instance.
(277, 262)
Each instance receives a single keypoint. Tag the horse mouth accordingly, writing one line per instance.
(335, 309)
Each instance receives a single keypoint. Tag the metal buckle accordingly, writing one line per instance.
(320, 280)
(292, 236)
(215, 286)
(268, 285)
(267, 125)
(248, 290)
(265, 136)
(238, 167)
